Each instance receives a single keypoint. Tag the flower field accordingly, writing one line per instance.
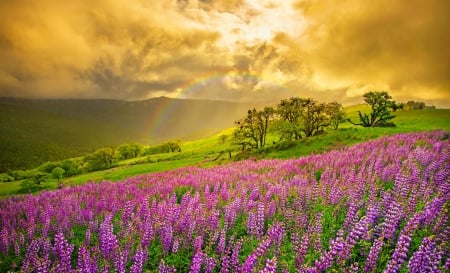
(379, 206)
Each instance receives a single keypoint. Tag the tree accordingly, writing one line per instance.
(252, 130)
(71, 167)
(58, 173)
(125, 151)
(128, 151)
(223, 138)
(136, 149)
(288, 111)
(306, 116)
(380, 103)
(172, 146)
(38, 177)
(101, 159)
(336, 114)
(314, 117)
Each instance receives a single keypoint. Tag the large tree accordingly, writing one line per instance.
(380, 104)
(336, 114)
(101, 159)
(288, 124)
(304, 116)
(314, 117)
(252, 130)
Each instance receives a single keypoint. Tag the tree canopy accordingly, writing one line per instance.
(380, 104)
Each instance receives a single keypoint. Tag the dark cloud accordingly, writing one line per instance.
(400, 45)
(258, 49)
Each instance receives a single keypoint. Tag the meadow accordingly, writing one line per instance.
(377, 206)
(202, 152)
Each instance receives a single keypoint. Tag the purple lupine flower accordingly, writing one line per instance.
(198, 242)
(276, 233)
(260, 220)
(252, 227)
(249, 263)
(235, 256)
(139, 259)
(31, 255)
(226, 262)
(301, 253)
(401, 251)
(426, 259)
(148, 234)
(210, 264)
(271, 266)
(63, 251)
(163, 268)
(196, 263)
(176, 245)
(167, 237)
(107, 239)
(222, 241)
(86, 264)
(326, 259)
(317, 230)
(120, 261)
(4, 241)
(374, 252)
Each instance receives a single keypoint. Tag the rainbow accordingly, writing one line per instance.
(202, 81)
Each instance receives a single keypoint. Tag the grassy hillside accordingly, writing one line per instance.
(203, 152)
(210, 151)
(35, 131)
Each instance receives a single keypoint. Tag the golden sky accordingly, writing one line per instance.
(226, 49)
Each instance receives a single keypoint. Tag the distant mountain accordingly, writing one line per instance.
(35, 131)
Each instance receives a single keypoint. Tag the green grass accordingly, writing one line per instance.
(9, 188)
(194, 153)
(203, 152)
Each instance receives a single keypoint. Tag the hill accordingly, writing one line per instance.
(35, 131)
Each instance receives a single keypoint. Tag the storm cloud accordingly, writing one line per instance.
(254, 50)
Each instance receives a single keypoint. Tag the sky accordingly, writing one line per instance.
(238, 50)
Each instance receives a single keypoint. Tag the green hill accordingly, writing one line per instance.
(29, 137)
(210, 151)
(35, 131)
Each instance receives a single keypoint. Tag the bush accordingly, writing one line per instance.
(29, 186)
(4, 177)
(49, 166)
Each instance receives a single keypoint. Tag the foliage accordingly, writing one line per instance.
(166, 147)
(38, 177)
(336, 114)
(223, 138)
(252, 130)
(369, 210)
(291, 119)
(71, 167)
(314, 117)
(101, 159)
(29, 186)
(289, 122)
(380, 103)
(4, 177)
(58, 173)
(174, 145)
(132, 150)
(47, 167)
